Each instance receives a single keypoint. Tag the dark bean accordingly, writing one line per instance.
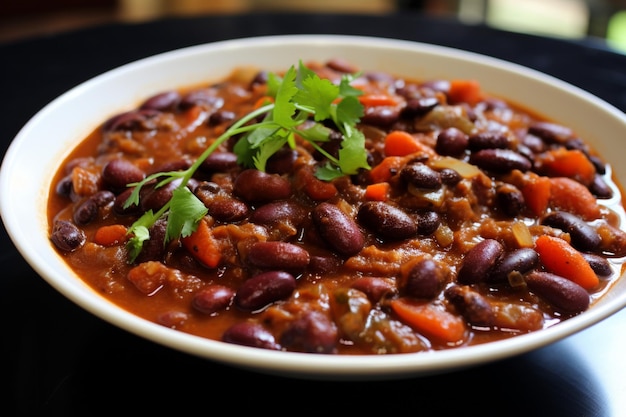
(599, 188)
(166, 101)
(285, 211)
(550, 132)
(374, 287)
(419, 105)
(85, 212)
(176, 165)
(380, 115)
(451, 142)
(479, 260)
(203, 97)
(450, 176)
(599, 264)
(341, 65)
(257, 186)
(337, 229)
(520, 261)
(428, 223)
(278, 255)
(474, 307)
(424, 279)
(120, 203)
(219, 162)
(387, 221)
(500, 160)
(488, 140)
(421, 176)
(153, 198)
(172, 319)
(139, 120)
(227, 209)
(66, 236)
(250, 334)
(282, 162)
(212, 299)
(263, 289)
(154, 249)
(583, 236)
(64, 186)
(561, 293)
(221, 116)
(103, 198)
(118, 173)
(324, 264)
(313, 332)
(510, 200)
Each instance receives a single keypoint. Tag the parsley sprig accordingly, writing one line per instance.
(300, 95)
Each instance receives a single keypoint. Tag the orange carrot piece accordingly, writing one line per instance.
(378, 191)
(263, 101)
(401, 143)
(560, 258)
(110, 235)
(319, 190)
(536, 194)
(203, 245)
(465, 91)
(571, 196)
(570, 163)
(374, 100)
(386, 169)
(431, 321)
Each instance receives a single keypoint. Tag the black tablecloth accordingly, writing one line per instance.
(56, 359)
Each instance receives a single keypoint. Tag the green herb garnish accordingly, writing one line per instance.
(298, 96)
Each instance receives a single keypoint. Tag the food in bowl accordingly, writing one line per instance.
(328, 209)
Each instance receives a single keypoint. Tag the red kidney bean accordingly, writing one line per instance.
(263, 289)
(153, 198)
(510, 200)
(166, 101)
(278, 255)
(374, 287)
(221, 116)
(474, 307)
(172, 319)
(487, 140)
(279, 211)
(479, 260)
(323, 264)
(583, 236)
(135, 120)
(500, 160)
(417, 106)
(118, 173)
(599, 188)
(85, 212)
(380, 115)
(421, 176)
(250, 334)
(450, 176)
(561, 293)
(153, 249)
(337, 229)
(313, 332)
(227, 209)
(205, 97)
(282, 162)
(424, 279)
(520, 260)
(386, 221)
(256, 186)
(64, 186)
(120, 202)
(213, 298)
(551, 132)
(600, 265)
(220, 162)
(451, 141)
(428, 223)
(66, 236)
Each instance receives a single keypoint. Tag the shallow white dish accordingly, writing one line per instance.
(49, 136)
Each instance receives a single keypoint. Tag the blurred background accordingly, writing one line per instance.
(604, 19)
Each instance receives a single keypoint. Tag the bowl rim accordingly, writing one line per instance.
(288, 363)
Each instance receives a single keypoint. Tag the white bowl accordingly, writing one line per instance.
(50, 135)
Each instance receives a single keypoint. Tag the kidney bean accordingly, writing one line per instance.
(221, 116)
(139, 120)
(421, 176)
(103, 198)
(337, 229)
(250, 334)
(85, 212)
(450, 176)
(386, 221)
(474, 307)
(417, 106)
(219, 162)
(165, 101)
(258, 186)
(213, 298)
(520, 260)
(380, 115)
(550, 132)
(64, 186)
(153, 249)
(374, 288)
(500, 160)
(510, 200)
(278, 255)
(424, 279)
(263, 289)
(599, 188)
(282, 162)
(583, 236)
(66, 236)
(561, 293)
(451, 141)
(120, 202)
(279, 211)
(172, 319)
(479, 260)
(227, 209)
(428, 223)
(118, 173)
(153, 198)
(204, 97)
(487, 140)
(600, 265)
(312, 332)
(323, 264)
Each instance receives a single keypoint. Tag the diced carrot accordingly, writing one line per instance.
(430, 320)
(571, 163)
(536, 194)
(110, 235)
(464, 91)
(571, 196)
(386, 169)
(319, 190)
(378, 191)
(401, 143)
(203, 245)
(374, 100)
(263, 101)
(560, 258)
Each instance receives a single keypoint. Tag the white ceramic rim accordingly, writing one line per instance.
(19, 202)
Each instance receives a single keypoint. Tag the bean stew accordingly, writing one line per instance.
(402, 216)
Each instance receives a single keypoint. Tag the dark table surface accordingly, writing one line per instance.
(57, 359)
